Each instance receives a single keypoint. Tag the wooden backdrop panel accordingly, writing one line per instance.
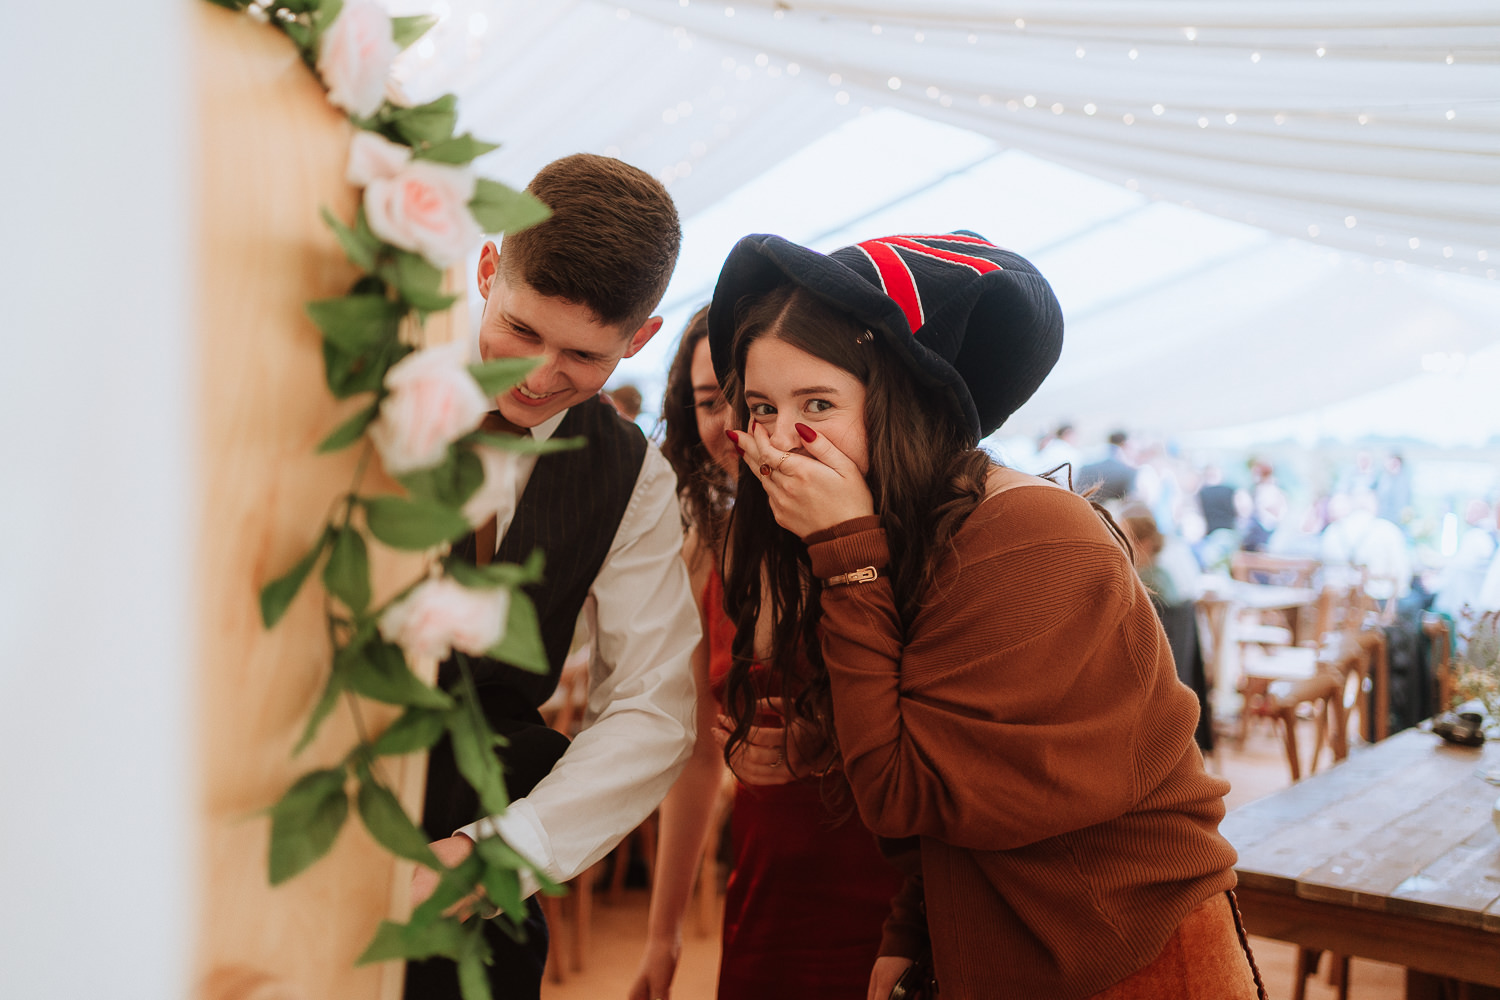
(272, 153)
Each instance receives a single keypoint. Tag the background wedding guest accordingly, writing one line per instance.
(808, 889)
(1115, 474)
(1461, 581)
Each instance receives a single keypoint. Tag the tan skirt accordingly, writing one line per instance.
(1206, 958)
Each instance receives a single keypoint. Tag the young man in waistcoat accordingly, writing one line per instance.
(578, 291)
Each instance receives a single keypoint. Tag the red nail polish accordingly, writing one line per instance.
(740, 450)
(805, 432)
(730, 436)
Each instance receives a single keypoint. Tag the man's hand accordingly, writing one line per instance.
(451, 851)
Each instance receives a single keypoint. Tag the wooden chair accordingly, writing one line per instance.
(1277, 682)
(1273, 628)
(1283, 571)
(1435, 628)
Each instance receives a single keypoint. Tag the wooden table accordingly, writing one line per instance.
(1391, 855)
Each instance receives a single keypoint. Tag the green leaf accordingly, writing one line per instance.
(474, 752)
(416, 281)
(473, 981)
(231, 4)
(458, 150)
(356, 323)
(393, 940)
(412, 524)
(347, 572)
(360, 245)
(305, 823)
(391, 827)
(301, 35)
(276, 596)
(521, 646)
(495, 574)
(405, 30)
(350, 430)
(378, 670)
(426, 123)
(527, 445)
(501, 209)
(416, 729)
(451, 483)
(326, 13)
(501, 880)
(494, 377)
(330, 697)
(349, 374)
(455, 883)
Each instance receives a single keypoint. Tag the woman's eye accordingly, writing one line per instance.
(711, 405)
(818, 405)
(762, 410)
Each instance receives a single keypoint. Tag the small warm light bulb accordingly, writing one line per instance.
(1029, 100)
(1157, 109)
(1057, 109)
(894, 83)
(1079, 52)
(1089, 109)
(1128, 118)
(1191, 34)
(1350, 222)
(1135, 53)
(1414, 243)
(1321, 51)
(1312, 231)
(1231, 118)
(1255, 57)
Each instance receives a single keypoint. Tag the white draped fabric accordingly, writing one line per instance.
(1368, 129)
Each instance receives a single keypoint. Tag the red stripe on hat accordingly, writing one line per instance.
(895, 280)
(979, 264)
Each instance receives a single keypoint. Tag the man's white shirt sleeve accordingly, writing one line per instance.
(639, 727)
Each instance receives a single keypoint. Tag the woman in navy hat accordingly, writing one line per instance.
(980, 651)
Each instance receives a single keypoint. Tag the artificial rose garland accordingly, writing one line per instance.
(433, 401)
(422, 211)
(355, 57)
(440, 615)
(501, 470)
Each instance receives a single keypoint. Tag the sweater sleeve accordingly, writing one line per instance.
(1033, 695)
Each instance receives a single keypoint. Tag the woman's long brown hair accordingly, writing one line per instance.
(705, 490)
(926, 475)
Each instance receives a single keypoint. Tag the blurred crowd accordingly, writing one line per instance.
(1429, 534)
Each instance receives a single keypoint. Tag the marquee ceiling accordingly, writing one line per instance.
(1299, 197)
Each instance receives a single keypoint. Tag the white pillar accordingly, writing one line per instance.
(96, 508)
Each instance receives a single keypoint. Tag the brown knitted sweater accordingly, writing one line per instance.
(1031, 732)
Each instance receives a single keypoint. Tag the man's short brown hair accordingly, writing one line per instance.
(610, 244)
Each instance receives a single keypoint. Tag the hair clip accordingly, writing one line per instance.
(865, 337)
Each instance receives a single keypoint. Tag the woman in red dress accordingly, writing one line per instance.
(808, 890)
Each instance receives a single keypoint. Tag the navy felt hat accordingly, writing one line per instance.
(977, 323)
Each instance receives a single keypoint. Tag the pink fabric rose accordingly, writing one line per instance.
(433, 401)
(355, 56)
(498, 494)
(425, 209)
(441, 615)
(373, 157)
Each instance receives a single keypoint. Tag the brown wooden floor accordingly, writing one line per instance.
(1253, 771)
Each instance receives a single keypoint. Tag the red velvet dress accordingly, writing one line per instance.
(807, 894)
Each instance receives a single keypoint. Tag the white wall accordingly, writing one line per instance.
(96, 514)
